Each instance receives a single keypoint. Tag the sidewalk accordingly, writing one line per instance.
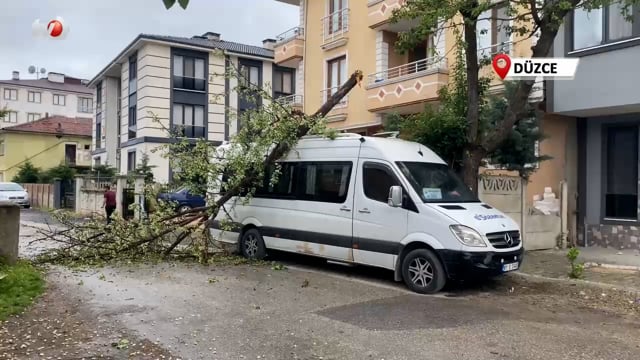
(606, 266)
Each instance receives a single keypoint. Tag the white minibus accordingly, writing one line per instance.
(382, 202)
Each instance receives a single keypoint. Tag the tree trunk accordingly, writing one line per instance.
(470, 165)
(471, 57)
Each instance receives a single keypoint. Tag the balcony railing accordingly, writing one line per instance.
(189, 83)
(335, 25)
(291, 100)
(290, 34)
(326, 94)
(489, 51)
(402, 71)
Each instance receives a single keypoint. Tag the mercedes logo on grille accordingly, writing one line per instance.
(508, 239)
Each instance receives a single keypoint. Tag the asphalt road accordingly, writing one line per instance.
(311, 311)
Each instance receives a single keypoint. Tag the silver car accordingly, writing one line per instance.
(14, 193)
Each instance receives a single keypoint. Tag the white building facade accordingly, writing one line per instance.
(28, 100)
(158, 82)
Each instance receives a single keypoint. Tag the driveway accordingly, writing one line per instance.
(312, 311)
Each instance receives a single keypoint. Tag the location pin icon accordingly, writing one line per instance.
(501, 67)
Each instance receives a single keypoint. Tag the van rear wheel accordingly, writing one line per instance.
(252, 245)
(423, 272)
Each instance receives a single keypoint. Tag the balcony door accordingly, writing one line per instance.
(70, 154)
(336, 22)
(336, 74)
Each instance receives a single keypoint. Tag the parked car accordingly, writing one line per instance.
(183, 199)
(10, 191)
(382, 202)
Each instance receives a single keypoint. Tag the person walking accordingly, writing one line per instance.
(109, 203)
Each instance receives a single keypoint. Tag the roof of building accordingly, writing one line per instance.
(215, 44)
(55, 125)
(70, 85)
(197, 41)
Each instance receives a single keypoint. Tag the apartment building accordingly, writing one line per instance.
(600, 115)
(158, 82)
(54, 95)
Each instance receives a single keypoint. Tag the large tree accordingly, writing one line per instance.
(529, 18)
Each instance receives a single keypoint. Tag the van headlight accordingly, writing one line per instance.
(468, 236)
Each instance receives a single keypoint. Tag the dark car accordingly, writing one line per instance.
(183, 199)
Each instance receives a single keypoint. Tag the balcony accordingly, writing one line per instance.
(295, 101)
(379, 13)
(485, 54)
(335, 28)
(289, 47)
(339, 112)
(404, 89)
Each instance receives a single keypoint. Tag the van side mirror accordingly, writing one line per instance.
(395, 196)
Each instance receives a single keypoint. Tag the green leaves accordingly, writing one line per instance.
(169, 3)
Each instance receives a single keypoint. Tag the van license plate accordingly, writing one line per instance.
(510, 267)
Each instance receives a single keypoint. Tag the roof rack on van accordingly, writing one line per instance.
(387, 134)
(338, 135)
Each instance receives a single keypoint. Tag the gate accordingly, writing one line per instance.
(68, 194)
(128, 198)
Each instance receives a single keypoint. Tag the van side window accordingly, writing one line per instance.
(283, 188)
(376, 182)
(323, 181)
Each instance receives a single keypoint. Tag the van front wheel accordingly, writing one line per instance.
(423, 272)
(252, 245)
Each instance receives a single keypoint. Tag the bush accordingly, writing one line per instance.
(27, 174)
(577, 268)
(62, 172)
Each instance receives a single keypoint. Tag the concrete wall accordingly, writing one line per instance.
(153, 94)
(9, 232)
(43, 150)
(216, 115)
(598, 88)
(506, 193)
(22, 106)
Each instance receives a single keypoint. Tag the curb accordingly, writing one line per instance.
(612, 266)
(577, 282)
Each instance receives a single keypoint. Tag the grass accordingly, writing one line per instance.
(20, 284)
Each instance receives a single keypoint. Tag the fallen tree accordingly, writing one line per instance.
(268, 133)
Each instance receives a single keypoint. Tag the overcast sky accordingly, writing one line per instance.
(100, 29)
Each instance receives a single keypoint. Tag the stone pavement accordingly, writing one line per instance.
(604, 266)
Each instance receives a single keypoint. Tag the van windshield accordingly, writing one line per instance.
(436, 183)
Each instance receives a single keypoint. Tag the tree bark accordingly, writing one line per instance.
(470, 166)
(517, 105)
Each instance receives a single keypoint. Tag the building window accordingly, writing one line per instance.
(189, 120)
(131, 161)
(99, 97)
(249, 75)
(282, 83)
(11, 117)
(33, 117)
(337, 17)
(189, 73)
(336, 74)
(10, 94)
(59, 100)
(621, 185)
(34, 97)
(133, 73)
(98, 131)
(85, 105)
(96, 161)
(1, 147)
(492, 32)
(602, 26)
(133, 98)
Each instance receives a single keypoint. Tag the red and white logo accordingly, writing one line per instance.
(52, 29)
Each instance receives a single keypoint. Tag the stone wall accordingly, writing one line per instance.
(614, 236)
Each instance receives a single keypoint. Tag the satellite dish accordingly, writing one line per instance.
(32, 69)
(43, 70)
